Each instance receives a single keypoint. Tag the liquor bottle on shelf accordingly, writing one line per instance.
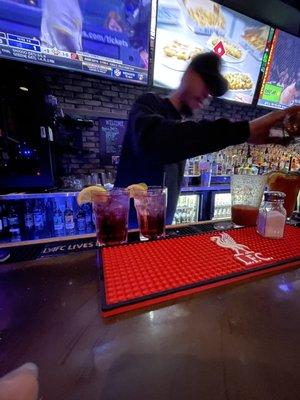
(14, 225)
(237, 166)
(214, 167)
(28, 220)
(2, 236)
(69, 218)
(39, 219)
(90, 227)
(49, 217)
(295, 164)
(258, 159)
(4, 219)
(228, 168)
(219, 164)
(4, 230)
(81, 220)
(2, 233)
(254, 169)
(58, 221)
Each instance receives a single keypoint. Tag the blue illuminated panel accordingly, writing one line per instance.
(23, 43)
(40, 216)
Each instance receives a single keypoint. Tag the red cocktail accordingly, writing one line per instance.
(151, 212)
(244, 215)
(111, 216)
(152, 227)
(246, 196)
(288, 183)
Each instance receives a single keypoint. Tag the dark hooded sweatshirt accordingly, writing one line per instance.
(157, 142)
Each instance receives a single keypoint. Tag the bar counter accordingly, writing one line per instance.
(234, 342)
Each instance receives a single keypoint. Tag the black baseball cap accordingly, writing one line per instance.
(208, 66)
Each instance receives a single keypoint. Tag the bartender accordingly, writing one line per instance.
(159, 138)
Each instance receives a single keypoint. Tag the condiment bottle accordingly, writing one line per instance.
(272, 216)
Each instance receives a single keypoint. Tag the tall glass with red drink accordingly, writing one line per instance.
(150, 206)
(288, 183)
(246, 196)
(111, 216)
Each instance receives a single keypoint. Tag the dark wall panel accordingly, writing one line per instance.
(274, 12)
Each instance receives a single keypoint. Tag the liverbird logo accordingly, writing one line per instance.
(242, 253)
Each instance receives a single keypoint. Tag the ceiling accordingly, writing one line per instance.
(293, 3)
(284, 14)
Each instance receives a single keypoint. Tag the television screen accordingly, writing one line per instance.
(109, 38)
(281, 80)
(188, 27)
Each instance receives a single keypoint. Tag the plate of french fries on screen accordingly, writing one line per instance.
(254, 39)
(203, 18)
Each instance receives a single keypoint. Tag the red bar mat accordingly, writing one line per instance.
(136, 275)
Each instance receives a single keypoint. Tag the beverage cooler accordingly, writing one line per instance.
(220, 205)
(189, 204)
(40, 216)
(203, 203)
(188, 208)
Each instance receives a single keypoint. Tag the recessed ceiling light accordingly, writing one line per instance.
(24, 88)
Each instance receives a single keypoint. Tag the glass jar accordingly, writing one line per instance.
(287, 130)
(291, 124)
(272, 216)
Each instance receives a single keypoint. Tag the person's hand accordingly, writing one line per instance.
(260, 127)
(20, 384)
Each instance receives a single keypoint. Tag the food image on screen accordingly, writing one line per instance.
(204, 18)
(256, 38)
(281, 81)
(204, 25)
(109, 38)
(238, 81)
(179, 53)
(231, 49)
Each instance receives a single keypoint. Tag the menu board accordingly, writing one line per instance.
(189, 27)
(281, 81)
(112, 132)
